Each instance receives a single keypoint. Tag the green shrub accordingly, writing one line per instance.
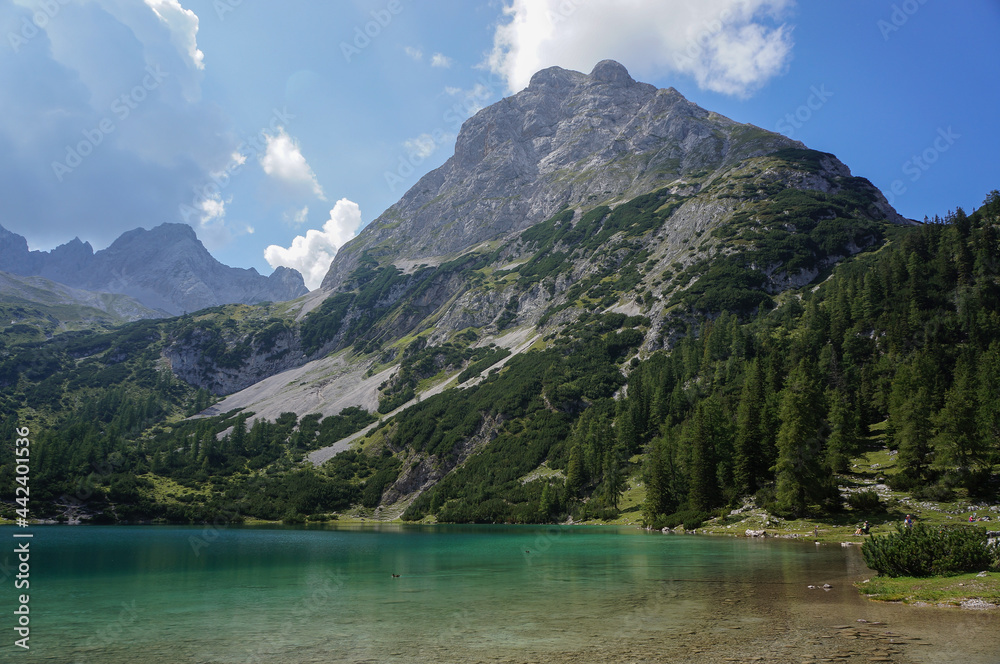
(691, 519)
(930, 551)
(865, 501)
(934, 492)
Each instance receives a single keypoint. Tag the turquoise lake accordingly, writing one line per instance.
(248, 595)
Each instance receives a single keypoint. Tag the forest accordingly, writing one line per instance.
(736, 394)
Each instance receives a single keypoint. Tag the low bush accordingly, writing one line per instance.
(930, 551)
(934, 492)
(691, 519)
(865, 501)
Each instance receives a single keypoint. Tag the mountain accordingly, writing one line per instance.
(39, 308)
(166, 268)
(607, 296)
(567, 139)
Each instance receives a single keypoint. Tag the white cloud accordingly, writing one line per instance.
(439, 60)
(183, 24)
(212, 209)
(312, 253)
(283, 160)
(473, 100)
(728, 46)
(414, 53)
(297, 217)
(424, 145)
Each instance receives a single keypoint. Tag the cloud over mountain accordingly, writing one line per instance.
(312, 253)
(728, 46)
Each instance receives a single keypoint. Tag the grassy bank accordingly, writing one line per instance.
(965, 590)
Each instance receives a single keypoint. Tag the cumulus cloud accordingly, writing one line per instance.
(283, 160)
(183, 24)
(312, 253)
(102, 119)
(728, 46)
(439, 60)
(414, 53)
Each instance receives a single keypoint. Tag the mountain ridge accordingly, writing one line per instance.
(165, 268)
(566, 139)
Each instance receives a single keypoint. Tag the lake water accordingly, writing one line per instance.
(241, 595)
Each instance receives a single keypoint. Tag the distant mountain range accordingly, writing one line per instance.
(166, 269)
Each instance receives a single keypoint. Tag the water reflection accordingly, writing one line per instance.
(465, 594)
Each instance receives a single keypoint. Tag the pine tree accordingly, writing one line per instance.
(843, 441)
(545, 503)
(574, 473)
(658, 479)
(750, 463)
(613, 483)
(801, 478)
(910, 425)
(957, 441)
(988, 398)
(705, 432)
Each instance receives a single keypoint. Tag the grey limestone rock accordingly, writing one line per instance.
(568, 138)
(166, 268)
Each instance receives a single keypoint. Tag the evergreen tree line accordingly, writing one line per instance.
(908, 336)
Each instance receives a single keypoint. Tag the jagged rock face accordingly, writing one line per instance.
(166, 268)
(14, 255)
(568, 138)
(189, 362)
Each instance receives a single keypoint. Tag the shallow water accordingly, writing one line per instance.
(465, 594)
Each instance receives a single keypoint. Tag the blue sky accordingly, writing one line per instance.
(278, 129)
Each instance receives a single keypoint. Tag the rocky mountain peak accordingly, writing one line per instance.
(554, 78)
(609, 71)
(566, 139)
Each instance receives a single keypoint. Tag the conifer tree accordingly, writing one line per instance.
(657, 477)
(843, 441)
(750, 463)
(801, 478)
(574, 473)
(910, 425)
(988, 408)
(957, 441)
(705, 432)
